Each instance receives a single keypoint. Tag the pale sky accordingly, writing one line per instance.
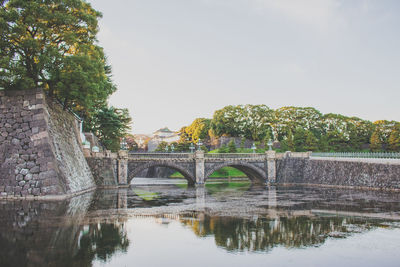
(177, 60)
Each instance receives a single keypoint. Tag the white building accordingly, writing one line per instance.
(162, 135)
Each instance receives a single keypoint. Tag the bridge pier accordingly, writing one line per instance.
(123, 168)
(271, 166)
(200, 170)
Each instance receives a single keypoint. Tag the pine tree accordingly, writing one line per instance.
(242, 142)
(232, 147)
(223, 149)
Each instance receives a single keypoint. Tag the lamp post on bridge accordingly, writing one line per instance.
(199, 144)
(166, 149)
(270, 143)
(172, 148)
(192, 147)
(123, 144)
(254, 147)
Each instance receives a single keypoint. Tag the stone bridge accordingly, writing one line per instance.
(197, 167)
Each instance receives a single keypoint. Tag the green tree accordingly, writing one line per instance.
(110, 125)
(323, 144)
(311, 142)
(337, 141)
(242, 142)
(223, 149)
(52, 45)
(394, 140)
(232, 147)
(198, 129)
(376, 142)
(290, 142)
(162, 147)
(299, 139)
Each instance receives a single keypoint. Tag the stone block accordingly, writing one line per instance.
(30, 164)
(28, 177)
(15, 141)
(35, 191)
(47, 175)
(43, 167)
(27, 118)
(34, 170)
(24, 171)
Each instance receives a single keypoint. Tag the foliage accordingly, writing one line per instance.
(52, 45)
(223, 149)
(394, 139)
(162, 147)
(232, 147)
(110, 125)
(311, 142)
(304, 128)
(131, 143)
(249, 121)
(376, 142)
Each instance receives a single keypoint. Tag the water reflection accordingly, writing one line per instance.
(262, 234)
(239, 218)
(100, 241)
(36, 233)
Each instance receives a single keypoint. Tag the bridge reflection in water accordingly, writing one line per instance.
(92, 227)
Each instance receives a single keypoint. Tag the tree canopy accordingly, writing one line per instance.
(51, 44)
(305, 128)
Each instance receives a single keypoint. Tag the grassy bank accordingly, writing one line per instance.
(224, 172)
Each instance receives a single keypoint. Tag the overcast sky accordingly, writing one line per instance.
(176, 60)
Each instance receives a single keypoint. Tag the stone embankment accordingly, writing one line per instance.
(40, 151)
(340, 172)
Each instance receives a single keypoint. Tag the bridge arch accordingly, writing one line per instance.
(254, 173)
(137, 169)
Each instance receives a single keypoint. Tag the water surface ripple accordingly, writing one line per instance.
(166, 223)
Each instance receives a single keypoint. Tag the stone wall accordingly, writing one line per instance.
(104, 170)
(339, 172)
(40, 153)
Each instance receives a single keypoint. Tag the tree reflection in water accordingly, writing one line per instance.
(34, 233)
(262, 234)
(101, 241)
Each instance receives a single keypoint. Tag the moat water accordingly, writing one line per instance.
(160, 222)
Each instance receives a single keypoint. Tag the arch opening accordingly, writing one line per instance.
(153, 170)
(253, 173)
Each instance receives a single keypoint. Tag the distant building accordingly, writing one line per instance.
(162, 135)
(142, 141)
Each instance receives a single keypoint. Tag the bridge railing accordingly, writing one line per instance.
(371, 155)
(235, 155)
(161, 155)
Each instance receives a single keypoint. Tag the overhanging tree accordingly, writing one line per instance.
(51, 44)
(110, 125)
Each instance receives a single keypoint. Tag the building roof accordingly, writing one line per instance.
(164, 130)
